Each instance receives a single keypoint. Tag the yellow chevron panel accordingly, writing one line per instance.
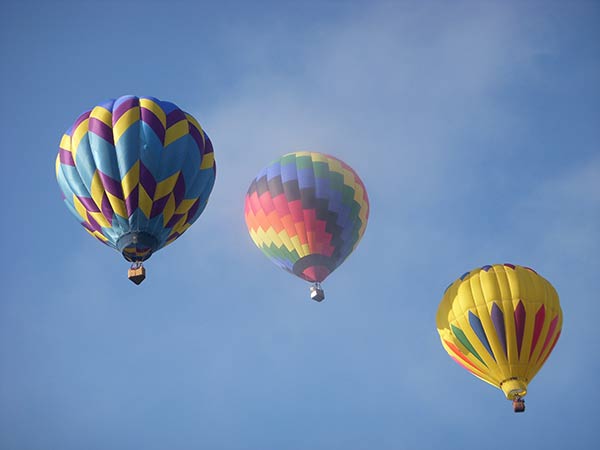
(319, 157)
(157, 110)
(97, 190)
(208, 161)
(195, 123)
(165, 187)
(77, 135)
(117, 205)
(145, 202)
(169, 209)
(176, 131)
(102, 114)
(185, 205)
(57, 164)
(131, 179)
(99, 217)
(298, 246)
(179, 223)
(65, 142)
(125, 121)
(97, 235)
(80, 208)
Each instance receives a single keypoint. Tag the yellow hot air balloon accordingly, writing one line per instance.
(501, 322)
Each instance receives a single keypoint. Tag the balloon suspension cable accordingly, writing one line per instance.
(316, 292)
(518, 404)
(137, 272)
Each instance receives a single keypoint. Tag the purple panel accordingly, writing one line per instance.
(197, 136)
(179, 189)
(171, 223)
(111, 186)
(147, 180)
(123, 107)
(89, 204)
(510, 265)
(175, 116)
(107, 210)
(498, 321)
(486, 268)
(101, 129)
(192, 211)
(93, 224)
(158, 206)
(520, 325)
(173, 236)
(150, 118)
(66, 157)
(131, 202)
(208, 147)
(80, 119)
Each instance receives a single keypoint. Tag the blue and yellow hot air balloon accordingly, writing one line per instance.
(136, 172)
(307, 212)
(500, 322)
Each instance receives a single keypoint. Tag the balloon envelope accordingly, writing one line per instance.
(307, 212)
(136, 172)
(500, 322)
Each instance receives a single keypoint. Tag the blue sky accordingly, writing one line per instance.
(474, 126)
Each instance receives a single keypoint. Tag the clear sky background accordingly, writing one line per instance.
(475, 127)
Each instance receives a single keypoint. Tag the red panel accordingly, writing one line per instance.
(255, 202)
(295, 208)
(540, 316)
(316, 273)
(267, 202)
(281, 205)
(549, 335)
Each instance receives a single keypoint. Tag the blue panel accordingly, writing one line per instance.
(478, 329)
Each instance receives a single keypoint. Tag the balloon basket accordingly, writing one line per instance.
(518, 405)
(316, 293)
(137, 274)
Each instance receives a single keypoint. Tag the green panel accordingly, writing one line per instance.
(304, 162)
(281, 253)
(337, 181)
(347, 195)
(321, 169)
(288, 159)
(464, 341)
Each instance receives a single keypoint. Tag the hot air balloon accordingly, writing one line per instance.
(307, 211)
(501, 322)
(136, 172)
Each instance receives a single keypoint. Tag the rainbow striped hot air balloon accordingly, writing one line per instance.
(501, 322)
(307, 211)
(136, 172)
